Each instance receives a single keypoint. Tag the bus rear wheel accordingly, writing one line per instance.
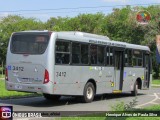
(51, 97)
(135, 89)
(89, 92)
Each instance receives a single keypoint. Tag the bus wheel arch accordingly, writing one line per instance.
(94, 83)
(89, 91)
(137, 85)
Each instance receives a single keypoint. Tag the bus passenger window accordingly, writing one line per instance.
(100, 55)
(93, 52)
(62, 52)
(107, 56)
(126, 57)
(129, 61)
(75, 53)
(58, 58)
(65, 58)
(137, 54)
(111, 56)
(134, 61)
(130, 58)
(84, 53)
(139, 62)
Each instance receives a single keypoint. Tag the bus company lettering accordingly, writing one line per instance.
(107, 43)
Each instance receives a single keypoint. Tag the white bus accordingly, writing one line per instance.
(75, 64)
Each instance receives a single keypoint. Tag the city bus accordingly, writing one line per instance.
(76, 64)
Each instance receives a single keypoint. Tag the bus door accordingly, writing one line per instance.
(146, 70)
(119, 66)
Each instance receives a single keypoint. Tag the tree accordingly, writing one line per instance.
(120, 25)
(11, 24)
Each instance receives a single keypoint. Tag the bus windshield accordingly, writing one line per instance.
(29, 43)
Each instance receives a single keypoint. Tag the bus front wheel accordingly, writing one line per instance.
(51, 97)
(89, 92)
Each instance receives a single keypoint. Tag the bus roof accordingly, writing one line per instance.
(103, 39)
(91, 38)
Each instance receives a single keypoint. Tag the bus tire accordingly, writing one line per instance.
(88, 93)
(135, 89)
(51, 97)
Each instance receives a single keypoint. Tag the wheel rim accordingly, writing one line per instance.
(89, 93)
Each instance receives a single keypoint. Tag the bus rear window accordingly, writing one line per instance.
(29, 43)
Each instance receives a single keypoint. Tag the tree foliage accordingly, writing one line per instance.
(120, 25)
(11, 24)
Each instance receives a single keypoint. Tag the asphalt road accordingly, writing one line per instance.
(101, 103)
(72, 106)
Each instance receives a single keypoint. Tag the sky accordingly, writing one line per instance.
(44, 9)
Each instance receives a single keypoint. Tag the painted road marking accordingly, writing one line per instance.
(150, 102)
(154, 103)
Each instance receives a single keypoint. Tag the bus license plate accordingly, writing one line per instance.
(18, 87)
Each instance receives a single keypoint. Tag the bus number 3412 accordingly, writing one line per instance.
(60, 74)
(18, 68)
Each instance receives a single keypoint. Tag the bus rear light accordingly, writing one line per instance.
(46, 77)
(6, 74)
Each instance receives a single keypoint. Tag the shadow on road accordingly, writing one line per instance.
(64, 100)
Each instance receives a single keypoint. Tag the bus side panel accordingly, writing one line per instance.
(105, 80)
(68, 80)
(102, 77)
(71, 80)
(130, 76)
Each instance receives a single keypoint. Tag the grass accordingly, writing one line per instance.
(11, 94)
(150, 109)
(154, 107)
(1, 69)
(2, 76)
(157, 82)
(101, 116)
